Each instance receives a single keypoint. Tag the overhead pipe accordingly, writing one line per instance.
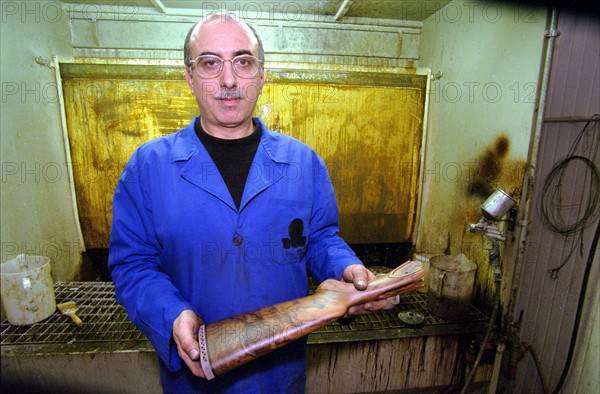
(525, 203)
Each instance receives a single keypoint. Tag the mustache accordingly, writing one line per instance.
(229, 95)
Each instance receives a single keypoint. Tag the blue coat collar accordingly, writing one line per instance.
(267, 168)
(187, 143)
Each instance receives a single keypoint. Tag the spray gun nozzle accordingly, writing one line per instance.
(488, 229)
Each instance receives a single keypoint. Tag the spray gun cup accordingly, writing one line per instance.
(497, 205)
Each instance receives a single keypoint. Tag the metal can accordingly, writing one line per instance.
(497, 205)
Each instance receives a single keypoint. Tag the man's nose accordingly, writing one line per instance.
(228, 77)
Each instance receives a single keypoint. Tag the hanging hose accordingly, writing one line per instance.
(580, 304)
(486, 337)
(536, 361)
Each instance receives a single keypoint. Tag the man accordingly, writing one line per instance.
(224, 217)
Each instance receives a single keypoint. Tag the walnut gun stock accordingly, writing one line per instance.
(229, 343)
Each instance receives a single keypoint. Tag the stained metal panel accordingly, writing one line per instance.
(372, 154)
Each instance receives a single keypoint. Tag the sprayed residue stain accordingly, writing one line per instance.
(501, 146)
(489, 168)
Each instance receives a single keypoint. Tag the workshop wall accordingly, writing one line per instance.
(485, 62)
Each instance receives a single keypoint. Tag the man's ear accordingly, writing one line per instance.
(189, 79)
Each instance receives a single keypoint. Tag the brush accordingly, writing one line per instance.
(70, 309)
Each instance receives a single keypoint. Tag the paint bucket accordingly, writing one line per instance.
(450, 283)
(27, 289)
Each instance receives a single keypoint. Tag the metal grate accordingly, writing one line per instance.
(103, 319)
(106, 322)
(387, 324)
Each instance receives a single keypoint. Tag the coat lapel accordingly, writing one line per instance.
(264, 172)
(200, 169)
(268, 167)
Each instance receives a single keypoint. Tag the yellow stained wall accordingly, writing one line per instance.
(367, 128)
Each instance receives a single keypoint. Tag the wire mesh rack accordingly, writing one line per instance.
(106, 326)
(104, 321)
(388, 324)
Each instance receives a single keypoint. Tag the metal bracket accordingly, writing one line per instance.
(44, 62)
(551, 33)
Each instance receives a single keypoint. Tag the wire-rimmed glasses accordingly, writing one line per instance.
(211, 66)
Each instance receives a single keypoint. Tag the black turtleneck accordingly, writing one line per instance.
(233, 158)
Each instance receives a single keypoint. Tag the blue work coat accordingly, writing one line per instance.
(178, 242)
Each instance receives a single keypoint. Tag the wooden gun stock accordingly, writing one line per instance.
(229, 343)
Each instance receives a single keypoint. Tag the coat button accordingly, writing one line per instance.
(237, 240)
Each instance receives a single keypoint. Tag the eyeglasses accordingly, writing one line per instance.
(211, 66)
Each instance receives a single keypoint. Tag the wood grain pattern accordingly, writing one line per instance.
(235, 341)
(384, 365)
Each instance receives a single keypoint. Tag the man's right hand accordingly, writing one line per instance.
(185, 334)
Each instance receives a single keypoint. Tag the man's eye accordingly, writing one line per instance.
(210, 63)
(243, 62)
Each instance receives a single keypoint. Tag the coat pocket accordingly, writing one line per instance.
(289, 230)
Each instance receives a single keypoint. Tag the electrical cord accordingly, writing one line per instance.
(580, 303)
(485, 339)
(552, 218)
(536, 361)
(551, 207)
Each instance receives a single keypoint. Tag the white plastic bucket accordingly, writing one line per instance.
(27, 289)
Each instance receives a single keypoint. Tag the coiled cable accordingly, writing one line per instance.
(552, 205)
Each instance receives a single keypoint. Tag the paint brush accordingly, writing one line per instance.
(70, 309)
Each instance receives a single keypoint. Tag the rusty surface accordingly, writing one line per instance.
(367, 130)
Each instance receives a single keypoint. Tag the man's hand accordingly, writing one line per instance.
(360, 277)
(185, 334)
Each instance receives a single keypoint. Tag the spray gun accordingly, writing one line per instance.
(493, 209)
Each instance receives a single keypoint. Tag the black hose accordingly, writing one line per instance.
(486, 337)
(536, 362)
(584, 285)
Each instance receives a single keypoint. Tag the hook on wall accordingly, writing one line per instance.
(44, 62)
(436, 75)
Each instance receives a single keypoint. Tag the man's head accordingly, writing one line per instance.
(226, 99)
(223, 16)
